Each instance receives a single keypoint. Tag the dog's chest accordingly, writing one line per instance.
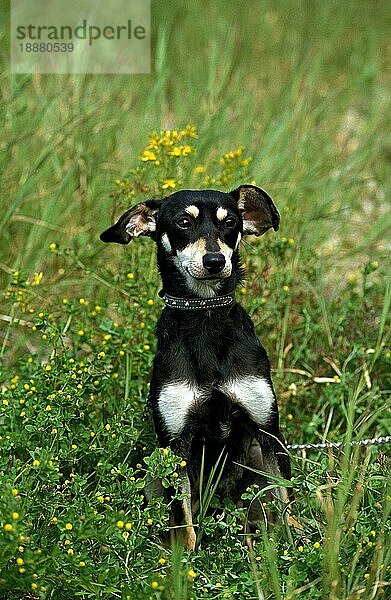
(180, 402)
(209, 369)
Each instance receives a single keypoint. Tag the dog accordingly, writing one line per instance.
(211, 391)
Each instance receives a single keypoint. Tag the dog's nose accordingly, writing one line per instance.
(213, 262)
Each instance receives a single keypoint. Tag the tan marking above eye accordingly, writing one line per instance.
(192, 210)
(221, 213)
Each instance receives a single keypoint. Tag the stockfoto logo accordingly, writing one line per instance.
(80, 36)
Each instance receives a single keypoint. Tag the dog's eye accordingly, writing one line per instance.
(183, 223)
(230, 222)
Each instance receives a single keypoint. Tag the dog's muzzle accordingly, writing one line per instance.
(213, 262)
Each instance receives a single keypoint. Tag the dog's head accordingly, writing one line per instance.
(198, 231)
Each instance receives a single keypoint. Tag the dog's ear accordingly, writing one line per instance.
(258, 210)
(138, 220)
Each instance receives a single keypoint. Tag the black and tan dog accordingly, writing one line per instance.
(211, 390)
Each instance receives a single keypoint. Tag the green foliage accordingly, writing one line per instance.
(293, 96)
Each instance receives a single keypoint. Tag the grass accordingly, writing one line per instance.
(304, 88)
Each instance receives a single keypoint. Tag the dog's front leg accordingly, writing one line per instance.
(190, 536)
(171, 404)
(183, 511)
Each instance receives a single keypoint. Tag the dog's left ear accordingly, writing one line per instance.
(138, 220)
(258, 210)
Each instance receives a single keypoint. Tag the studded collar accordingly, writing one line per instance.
(198, 303)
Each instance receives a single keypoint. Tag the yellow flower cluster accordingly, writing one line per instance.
(37, 278)
(229, 156)
(168, 145)
(233, 166)
(168, 142)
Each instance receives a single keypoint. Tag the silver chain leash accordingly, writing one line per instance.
(386, 439)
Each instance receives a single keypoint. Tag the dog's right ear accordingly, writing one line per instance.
(138, 220)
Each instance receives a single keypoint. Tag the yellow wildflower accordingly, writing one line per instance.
(176, 151)
(37, 278)
(189, 131)
(169, 183)
(147, 155)
(192, 574)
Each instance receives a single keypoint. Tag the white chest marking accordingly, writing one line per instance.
(254, 394)
(175, 401)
